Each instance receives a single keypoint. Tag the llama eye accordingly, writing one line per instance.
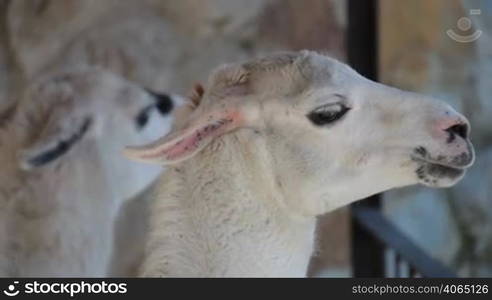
(327, 114)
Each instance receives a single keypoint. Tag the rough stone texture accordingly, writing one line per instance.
(453, 224)
(9, 73)
(3, 54)
(167, 46)
(164, 44)
(39, 30)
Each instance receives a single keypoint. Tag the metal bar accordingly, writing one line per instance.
(389, 263)
(367, 254)
(367, 250)
(386, 233)
(397, 265)
(362, 37)
(404, 268)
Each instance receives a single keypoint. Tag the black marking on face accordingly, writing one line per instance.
(143, 117)
(439, 171)
(461, 160)
(164, 103)
(61, 148)
(421, 151)
(430, 173)
(420, 172)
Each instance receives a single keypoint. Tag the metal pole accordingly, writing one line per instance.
(362, 49)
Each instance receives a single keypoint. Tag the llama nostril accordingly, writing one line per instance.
(459, 130)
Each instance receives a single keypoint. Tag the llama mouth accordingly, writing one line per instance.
(429, 172)
(461, 161)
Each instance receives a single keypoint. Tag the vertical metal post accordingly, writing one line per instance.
(362, 49)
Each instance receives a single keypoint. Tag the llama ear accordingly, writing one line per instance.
(185, 143)
(227, 81)
(196, 94)
(56, 139)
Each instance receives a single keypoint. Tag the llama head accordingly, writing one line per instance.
(334, 136)
(81, 119)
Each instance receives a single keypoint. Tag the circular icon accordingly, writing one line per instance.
(464, 23)
(10, 291)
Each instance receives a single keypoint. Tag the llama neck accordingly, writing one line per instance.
(57, 226)
(221, 214)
